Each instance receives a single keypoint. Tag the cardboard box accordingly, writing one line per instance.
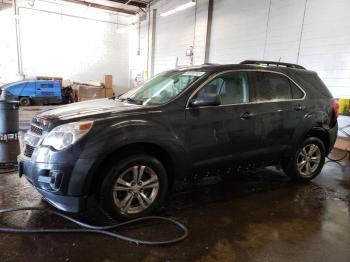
(86, 92)
(108, 81)
(109, 92)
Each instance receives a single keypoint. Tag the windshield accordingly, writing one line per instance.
(162, 88)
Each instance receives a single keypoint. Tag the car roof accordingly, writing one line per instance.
(24, 82)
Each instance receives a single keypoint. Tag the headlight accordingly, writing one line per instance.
(65, 135)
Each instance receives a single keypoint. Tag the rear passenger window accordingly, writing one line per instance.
(272, 87)
(233, 88)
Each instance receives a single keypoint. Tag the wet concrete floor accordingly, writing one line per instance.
(258, 216)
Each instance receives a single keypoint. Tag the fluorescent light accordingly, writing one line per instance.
(179, 8)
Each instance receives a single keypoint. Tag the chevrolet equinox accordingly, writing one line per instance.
(128, 151)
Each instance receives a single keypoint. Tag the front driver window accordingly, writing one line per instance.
(233, 88)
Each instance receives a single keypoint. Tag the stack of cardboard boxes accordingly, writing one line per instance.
(108, 86)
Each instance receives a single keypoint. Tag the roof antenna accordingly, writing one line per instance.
(279, 60)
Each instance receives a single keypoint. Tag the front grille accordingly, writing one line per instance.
(36, 130)
(33, 136)
(36, 126)
(28, 150)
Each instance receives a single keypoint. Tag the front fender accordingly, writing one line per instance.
(113, 137)
(108, 138)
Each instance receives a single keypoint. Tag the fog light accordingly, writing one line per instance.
(55, 180)
(50, 180)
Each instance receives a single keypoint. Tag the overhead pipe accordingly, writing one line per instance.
(104, 7)
(138, 3)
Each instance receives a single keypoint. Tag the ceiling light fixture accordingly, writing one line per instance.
(179, 8)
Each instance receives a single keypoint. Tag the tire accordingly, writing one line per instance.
(24, 101)
(130, 176)
(308, 160)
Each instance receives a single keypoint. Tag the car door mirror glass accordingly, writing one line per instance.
(206, 99)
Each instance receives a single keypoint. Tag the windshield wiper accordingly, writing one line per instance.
(131, 100)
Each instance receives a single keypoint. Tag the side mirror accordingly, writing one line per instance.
(206, 100)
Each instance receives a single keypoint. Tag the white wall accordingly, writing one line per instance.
(284, 30)
(325, 45)
(8, 53)
(57, 40)
(261, 29)
(174, 34)
(238, 30)
(247, 30)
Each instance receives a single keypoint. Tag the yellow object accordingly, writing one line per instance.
(344, 106)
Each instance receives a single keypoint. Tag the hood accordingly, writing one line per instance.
(86, 109)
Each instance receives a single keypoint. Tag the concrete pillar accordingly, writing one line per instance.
(202, 31)
(151, 42)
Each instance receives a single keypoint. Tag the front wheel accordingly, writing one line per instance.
(308, 160)
(134, 187)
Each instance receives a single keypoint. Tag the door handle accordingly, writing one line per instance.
(246, 115)
(298, 108)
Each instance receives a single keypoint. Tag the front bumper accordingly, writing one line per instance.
(56, 183)
(65, 203)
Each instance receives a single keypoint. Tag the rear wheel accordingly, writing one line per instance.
(134, 187)
(24, 101)
(307, 161)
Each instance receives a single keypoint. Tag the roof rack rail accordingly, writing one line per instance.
(268, 63)
(210, 64)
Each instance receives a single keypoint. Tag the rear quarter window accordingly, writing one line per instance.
(296, 92)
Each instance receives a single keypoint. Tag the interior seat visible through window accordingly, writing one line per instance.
(232, 87)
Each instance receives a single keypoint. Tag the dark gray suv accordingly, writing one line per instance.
(128, 151)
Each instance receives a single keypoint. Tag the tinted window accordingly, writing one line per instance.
(46, 85)
(233, 88)
(272, 87)
(296, 92)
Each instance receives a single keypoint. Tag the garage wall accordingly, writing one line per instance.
(72, 47)
(138, 51)
(325, 45)
(174, 34)
(314, 33)
(73, 42)
(238, 30)
(8, 53)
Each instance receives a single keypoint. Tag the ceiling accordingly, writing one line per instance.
(131, 7)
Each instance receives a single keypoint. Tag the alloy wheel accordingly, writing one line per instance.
(136, 189)
(309, 160)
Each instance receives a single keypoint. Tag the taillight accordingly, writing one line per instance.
(335, 106)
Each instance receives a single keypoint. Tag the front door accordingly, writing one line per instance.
(227, 131)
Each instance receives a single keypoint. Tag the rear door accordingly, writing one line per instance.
(225, 132)
(279, 103)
